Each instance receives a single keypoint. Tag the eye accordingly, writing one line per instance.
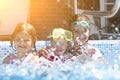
(26, 40)
(17, 39)
(84, 30)
(54, 42)
(76, 31)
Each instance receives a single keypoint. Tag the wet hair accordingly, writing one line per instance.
(25, 27)
(83, 17)
(80, 18)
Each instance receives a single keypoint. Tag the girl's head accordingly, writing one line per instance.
(24, 37)
(80, 30)
(61, 40)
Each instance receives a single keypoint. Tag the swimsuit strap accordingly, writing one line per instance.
(11, 59)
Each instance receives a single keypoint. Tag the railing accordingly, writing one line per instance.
(114, 11)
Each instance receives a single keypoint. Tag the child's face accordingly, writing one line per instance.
(81, 35)
(60, 45)
(23, 42)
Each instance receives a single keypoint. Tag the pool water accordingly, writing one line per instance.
(68, 70)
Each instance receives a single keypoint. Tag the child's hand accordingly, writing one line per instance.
(78, 40)
(43, 52)
(48, 53)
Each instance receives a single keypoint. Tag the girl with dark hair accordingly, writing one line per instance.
(23, 41)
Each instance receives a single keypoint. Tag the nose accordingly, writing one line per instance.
(22, 41)
(58, 44)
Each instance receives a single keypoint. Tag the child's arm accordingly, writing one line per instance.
(43, 52)
(6, 60)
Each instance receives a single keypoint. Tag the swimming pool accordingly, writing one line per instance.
(68, 71)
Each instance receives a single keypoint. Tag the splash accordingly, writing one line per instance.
(60, 71)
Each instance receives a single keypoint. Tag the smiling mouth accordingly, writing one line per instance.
(59, 50)
(21, 47)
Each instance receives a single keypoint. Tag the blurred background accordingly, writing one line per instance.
(45, 15)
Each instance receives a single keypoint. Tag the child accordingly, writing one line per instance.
(23, 41)
(82, 49)
(59, 48)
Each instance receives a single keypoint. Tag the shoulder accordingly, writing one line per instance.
(6, 59)
(95, 51)
(93, 48)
